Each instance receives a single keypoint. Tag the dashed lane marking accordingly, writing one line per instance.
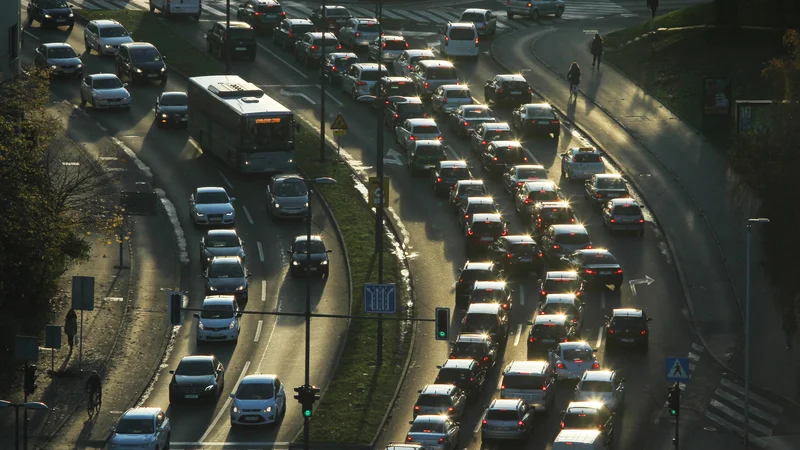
(519, 333)
(258, 330)
(225, 179)
(260, 251)
(599, 338)
(263, 290)
(521, 295)
(247, 214)
(283, 61)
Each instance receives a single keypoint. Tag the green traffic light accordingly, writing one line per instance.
(441, 333)
(307, 412)
(673, 412)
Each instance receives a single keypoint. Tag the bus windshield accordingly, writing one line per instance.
(274, 136)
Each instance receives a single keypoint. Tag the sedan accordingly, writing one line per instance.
(197, 377)
(105, 90)
(226, 275)
(603, 187)
(466, 117)
(387, 48)
(416, 130)
(172, 108)
(484, 19)
(435, 432)
(515, 176)
(141, 428)
(603, 386)
(222, 242)
(595, 266)
(623, 214)
(60, 57)
(572, 359)
(309, 258)
(212, 206)
(259, 400)
(535, 118)
(507, 419)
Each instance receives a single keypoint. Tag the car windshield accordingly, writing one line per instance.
(225, 270)
(270, 9)
(628, 322)
(425, 129)
(371, 27)
(579, 421)
(316, 247)
(61, 52)
(212, 197)
(595, 386)
(560, 308)
(515, 85)
(268, 134)
(549, 330)
(459, 173)
(174, 100)
(504, 415)
(401, 89)
(558, 285)
(195, 368)
(472, 17)
(441, 73)
(429, 150)
(627, 210)
(217, 312)
(52, 4)
(447, 375)
(462, 34)
(255, 391)
(487, 227)
(477, 275)
(128, 425)
(344, 62)
(427, 427)
(222, 241)
(242, 34)
(112, 32)
(538, 112)
(433, 400)
(458, 93)
(587, 158)
(543, 195)
(106, 83)
(524, 248)
(482, 208)
(499, 135)
(578, 354)
(468, 348)
(487, 296)
(477, 113)
(610, 183)
(394, 45)
(143, 55)
(480, 322)
(474, 190)
(531, 174)
(572, 239)
(300, 30)
(523, 381)
(556, 215)
(291, 189)
(411, 108)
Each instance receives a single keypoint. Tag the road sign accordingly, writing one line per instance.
(339, 123)
(375, 191)
(52, 336)
(677, 369)
(83, 293)
(339, 132)
(380, 298)
(26, 348)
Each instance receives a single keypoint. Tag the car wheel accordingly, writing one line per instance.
(559, 12)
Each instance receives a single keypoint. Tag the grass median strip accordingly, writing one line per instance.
(694, 15)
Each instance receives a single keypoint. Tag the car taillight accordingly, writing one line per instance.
(561, 366)
(538, 219)
(578, 294)
(574, 160)
(441, 440)
(509, 255)
(610, 331)
(446, 40)
(562, 424)
(416, 408)
(339, 47)
(504, 305)
(466, 124)
(256, 13)
(470, 232)
(466, 216)
(598, 195)
(644, 332)
(589, 246)
(600, 158)
(283, 13)
(291, 34)
(335, 69)
(544, 293)
(499, 91)
(483, 142)
(484, 421)
(396, 116)
(533, 339)
(619, 271)
(529, 5)
(525, 158)
(439, 138)
(556, 247)
(472, 379)
(502, 386)
(439, 180)
(485, 358)
(362, 83)
(452, 356)
(313, 47)
(542, 312)
(596, 365)
(641, 220)
(612, 220)
(504, 233)
(544, 388)
(444, 100)
(408, 439)
(521, 424)
(572, 220)
(519, 184)
(589, 271)
(358, 34)
(410, 138)
(426, 85)
(451, 409)
(410, 66)
(406, 44)
(476, 42)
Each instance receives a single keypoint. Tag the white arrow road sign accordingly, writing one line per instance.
(297, 94)
(636, 281)
(392, 157)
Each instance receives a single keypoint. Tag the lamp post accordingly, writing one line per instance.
(750, 223)
(309, 182)
(227, 38)
(17, 406)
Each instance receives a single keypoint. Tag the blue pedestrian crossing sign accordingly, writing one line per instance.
(677, 369)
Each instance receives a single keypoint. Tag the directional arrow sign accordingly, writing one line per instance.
(392, 157)
(636, 281)
(297, 94)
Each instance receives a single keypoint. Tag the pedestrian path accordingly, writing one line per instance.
(726, 409)
(576, 10)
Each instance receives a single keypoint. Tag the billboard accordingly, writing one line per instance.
(716, 96)
(752, 116)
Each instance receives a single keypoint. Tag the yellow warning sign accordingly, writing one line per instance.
(375, 192)
(339, 123)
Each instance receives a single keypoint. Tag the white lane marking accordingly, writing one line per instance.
(225, 179)
(194, 144)
(698, 347)
(452, 152)
(753, 410)
(731, 427)
(599, 338)
(336, 100)
(263, 290)
(283, 61)
(764, 402)
(519, 333)
(739, 417)
(260, 251)
(132, 155)
(247, 214)
(521, 295)
(102, 128)
(693, 357)
(224, 408)
(258, 330)
(603, 299)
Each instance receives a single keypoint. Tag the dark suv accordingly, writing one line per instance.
(517, 254)
(397, 112)
(589, 415)
(261, 14)
(140, 61)
(501, 154)
(240, 39)
(547, 331)
(487, 318)
(482, 231)
(627, 326)
(469, 274)
(289, 31)
(507, 89)
(479, 347)
(545, 214)
(465, 374)
(395, 87)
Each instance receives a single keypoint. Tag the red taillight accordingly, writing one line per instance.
(502, 386)
(509, 255)
(641, 220)
(466, 124)
(644, 332)
(451, 409)
(544, 388)
(256, 13)
(521, 424)
(396, 116)
(574, 160)
(406, 44)
(556, 247)
(600, 158)
(362, 83)
(416, 408)
(542, 312)
(466, 216)
(578, 294)
(504, 233)
(533, 339)
(408, 439)
(384, 45)
(338, 47)
(444, 100)
(499, 91)
(485, 421)
(426, 85)
(589, 271)
(598, 195)
(313, 47)
(291, 34)
(485, 358)
(472, 379)
(561, 366)
(575, 320)
(452, 356)
(439, 138)
(358, 34)
(572, 220)
(410, 66)
(283, 14)
(410, 138)
(610, 331)
(554, 122)
(439, 180)
(483, 142)
(529, 5)
(441, 440)
(589, 246)
(525, 158)
(596, 365)
(538, 219)
(578, 361)
(544, 293)
(470, 232)
(505, 305)
(619, 271)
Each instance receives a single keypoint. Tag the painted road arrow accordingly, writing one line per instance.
(634, 282)
(392, 157)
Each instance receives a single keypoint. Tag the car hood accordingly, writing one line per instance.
(150, 66)
(178, 109)
(58, 12)
(115, 40)
(254, 404)
(132, 439)
(216, 323)
(195, 380)
(315, 257)
(226, 284)
(292, 202)
(64, 61)
(112, 93)
(214, 208)
(224, 251)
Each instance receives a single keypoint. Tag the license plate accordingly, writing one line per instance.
(487, 239)
(605, 272)
(626, 340)
(191, 396)
(184, 119)
(313, 269)
(613, 195)
(271, 16)
(241, 48)
(61, 20)
(251, 419)
(516, 93)
(548, 340)
(152, 75)
(525, 260)
(505, 428)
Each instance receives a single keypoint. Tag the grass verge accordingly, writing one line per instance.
(695, 15)
(152, 28)
(358, 394)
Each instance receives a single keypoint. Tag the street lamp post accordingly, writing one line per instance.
(227, 38)
(17, 406)
(750, 223)
(309, 183)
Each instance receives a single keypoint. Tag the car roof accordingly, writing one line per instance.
(477, 265)
(392, 37)
(267, 2)
(299, 21)
(370, 67)
(361, 20)
(526, 367)
(623, 201)
(103, 23)
(342, 55)
(173, 94)
(583, 407)
(560, 299)
(206, 189)
(461, 363)
(454, 87)
(461, 25)
(519, 239)
(608, 175)
(471, 107)
(428, 143)
(393, 79)
(234, 24)
(511, 77)
(303, 238)
(575, 344)
(141, 413)
(219, 300)
(593, 251)
(505, 403)
(597, 375)
(334, 7)
(419, 51)
(587, 149)
(416, 100)
(561, 275)
(318, 34)
(472, 337)
(483, 308)
(438, 389)
(452, 163)
(558, 319)
(430, 418)
(226, 260)
(475, 10)
(470, 182)
(422, 121)
(219, 297)
(627, 312)
(482, 285)
(260, 378)
(191, 358)
(588, 436)
(538, 105)
(554, 205)
(527, 166)
(104, 76)
(569, 228)
(541, 185)
(504, 143)
(487, 217)
(480, 200)
(283, 178)
(405, 447)
(138, 44)
(494, 126)
(50, 45)
(435, 63)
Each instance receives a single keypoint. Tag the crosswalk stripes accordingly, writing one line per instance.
(726, 408)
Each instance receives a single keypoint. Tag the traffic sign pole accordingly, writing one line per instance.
(379, 207)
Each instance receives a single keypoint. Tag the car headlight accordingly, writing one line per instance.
(200, 326)
(324, 263)
(305, 205)
(210, 387)
(277, 205)
(138, 70)
(268, 409)
(48, 16)
(54, 67)
(235, 409)
(229, 213)
(241, 288)
(212, 288)
(71, 15)
(163, 69)
(295, 263)
(199, 214)
(80, 66)
(232, 325)
(107, 46)
(164, 116)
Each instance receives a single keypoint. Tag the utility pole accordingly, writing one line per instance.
(322, 87)
(379, 207)
(227, 38)
(674, 403)
(306, 419)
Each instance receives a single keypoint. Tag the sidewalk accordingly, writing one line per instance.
(711, 255)
(128, 303)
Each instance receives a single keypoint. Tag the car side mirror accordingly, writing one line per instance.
(438, 367)
(172, 372)
(419, 392)
(124, 84)
(248, 275)
(196, 315)
(411, 422)
(288, 252)
(163, 57)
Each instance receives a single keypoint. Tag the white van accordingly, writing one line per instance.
(459, 39)
(579, 440)
(178, 7)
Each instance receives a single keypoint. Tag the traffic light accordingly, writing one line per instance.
(174, 311)
(30, 379)
(300, 396)
(311, 397)
(442, 324)
(674, 400)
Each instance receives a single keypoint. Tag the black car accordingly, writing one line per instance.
(499, 155)
(240, 39)
(471, 272)
(331, 18)
(507, 89)
(300, 259)
(603, 187)
(140, 61)
(54, 13)
(545, 214)
(547, 331)
(517, 254)
(397, 112)
(476, 205)
(336, 64)
(535, 118)
(220, 242)
(515, 176)
(261, 14)
(596, 266)
(465, 374)
(474, 346)
(497, 291)
(482, 231)
(198, 377)
(589, 415)
(289, 31)
(560, 282)
(627, 326)
(172, 108)
(446, 173)
(393, 87)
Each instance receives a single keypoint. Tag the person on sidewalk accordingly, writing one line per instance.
(597, 50)
(94, 385)
(71, 327)
(574, 78)
(789, 327)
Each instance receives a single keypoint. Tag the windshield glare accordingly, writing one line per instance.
(255, 391)
(61, 52)
(595, 386)
(610, 183)
(291, 189)
(581, 354)
(217, 312)
(316, 247)
(225, 270)
(560, 286)
(477, 113)
(112, 32)
(135, 426)
(142, 55)
(580, 421)
(212, 197)
(222, 241)
(173, 100)
(107, 83)
(195, 368)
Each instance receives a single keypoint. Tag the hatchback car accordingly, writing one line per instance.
(596, 266)
(447, 173)
(416, 130)
(499, 155)
(221, 242)
(507, 89)
(300, 256)
(60, 58)
(560, 282)
(444, 399)
(466, 374)
(448, 97)
(434, 432)
(515, 176)
(544, 214)
(487, 318)
(627, 326)
(361, 78)
(495, 291)
(547, 331)
(623, 214)
(227, 275)
(477, 346)
(507, 419)
(219, 320)
(390, 87)
(601, 386)
(197, 377)
(261, 14)
(172, 108)
(330, 17)
(405, 63)
(289, 31)
(484, 19)
(459, 39)
(386, 48)
(482, 230)
(140, 61)
(308, 49)
(54, 13)
(258, 400)
(533, 192)
(476, 205)
(532, 381)
(105, 36)
(239, 39)
(423, 155)
(602, 187)
(580, 163)
(561, 240)
(537, 119)
(336, 65)
(396, 112)
(517, 255)
(359, 32)
(287, 197)
(569, 305)
(572, 359)
(465, 118)
(488, 132)
(467, 276)
(141, 428)
(429, 74)
(534, 9)
(105, 90)
(463, 189)
(589, 415)
(212, 206)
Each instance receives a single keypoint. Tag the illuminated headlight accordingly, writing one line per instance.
(277, 205)
(199, 214)
(295, 263)
(229, 213)
(212, 288)
(291, 161)
(200, 326)
(163, 116)
(323, 263)
(305, 205)
(210, 387)
(268, 409)
(80, 66)
(106, 46)
(232, 325)
(163, 69)
(241, 288)
(70, 14)
(54, 67)
(138, 70)
(235, 409)
(48, 16)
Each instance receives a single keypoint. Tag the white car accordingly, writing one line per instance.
(459, 39)
(416, 130)
(434, 432)
(219, 320)
(449, 97)
(601, 386)
(146, 428)
(403, 65)
(580, 163)
(387, 48)
(105, 36)
(359, 31)
(484, 19)
(259, 400)
(572, 359)
(212, 206)
(105, 90)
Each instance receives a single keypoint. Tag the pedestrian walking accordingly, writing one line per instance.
(652, 5)
(71, 327)
(789, 327)
(597, 50)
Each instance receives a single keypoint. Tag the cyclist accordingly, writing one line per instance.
(94, 386)
(574, 78)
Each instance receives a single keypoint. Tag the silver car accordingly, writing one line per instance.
(484, 19)
(359, 31)
(60, 57)
(212, 206)
(434, 432)
(219, 320)
(448, 97)
(226, 275)
(146, 428)
(601, 386)
(387, 48)
(105, 90)
(416, 130)
(403, 65)
(507, 419)
(259, 400)
(287, 197)
(572, 359)
(105, 36)
(221, 242)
